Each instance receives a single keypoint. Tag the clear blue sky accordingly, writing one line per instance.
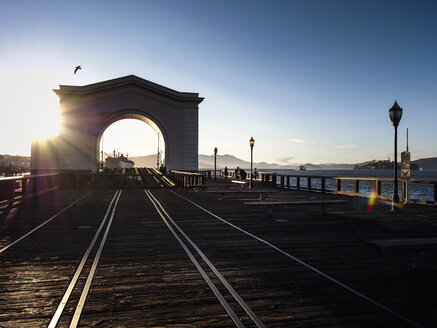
(311, 81)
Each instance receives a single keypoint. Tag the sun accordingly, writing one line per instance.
(29, 104)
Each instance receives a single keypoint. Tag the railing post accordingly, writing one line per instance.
(435, 193)
(297, 183)
(274, 180)
(288, 182)
(338, 185)
(282, 181)
(356, 186)
(23, 187)
(378, 187)
(309, 183)
(11, 191)
(404, 191)
(322, 183)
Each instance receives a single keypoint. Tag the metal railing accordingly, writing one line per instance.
(353, 186)
(187, 179)
(26, 185)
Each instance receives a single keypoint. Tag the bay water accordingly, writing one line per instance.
(415, 190)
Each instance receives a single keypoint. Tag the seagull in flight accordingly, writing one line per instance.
(77, 68)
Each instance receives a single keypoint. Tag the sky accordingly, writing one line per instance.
(311, 81)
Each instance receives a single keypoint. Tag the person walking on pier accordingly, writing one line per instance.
(255, 174)
(243, 174)
(237, 173)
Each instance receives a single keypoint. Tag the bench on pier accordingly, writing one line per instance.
(418, 246)
(270, 205)
(208, 186)
(219, 185)
(241, 183)
(227, 192)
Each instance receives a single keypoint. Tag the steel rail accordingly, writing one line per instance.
(69, 290)
(231, 290)
(308, 266)
(43, 224)
(77, 313)
(211, 285)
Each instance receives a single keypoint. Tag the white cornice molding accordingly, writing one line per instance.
(68, 90)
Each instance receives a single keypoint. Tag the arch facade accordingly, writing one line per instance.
(86, 111)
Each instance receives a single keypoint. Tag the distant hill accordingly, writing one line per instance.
(145, 161)
(427, 164)
(207, 162)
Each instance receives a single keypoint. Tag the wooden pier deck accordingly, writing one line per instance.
(297, 268)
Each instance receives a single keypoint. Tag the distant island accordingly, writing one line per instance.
(383, 165)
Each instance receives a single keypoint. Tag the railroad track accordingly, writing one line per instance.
(140, 258)
(132, 178)
(184, 241)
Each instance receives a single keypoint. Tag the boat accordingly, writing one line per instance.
(118, 162)
(302, 168)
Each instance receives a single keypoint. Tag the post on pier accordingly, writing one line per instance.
(357, 186)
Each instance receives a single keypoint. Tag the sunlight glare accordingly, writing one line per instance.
(131, 136)
(30, 104)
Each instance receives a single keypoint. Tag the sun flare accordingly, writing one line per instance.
(30, 105)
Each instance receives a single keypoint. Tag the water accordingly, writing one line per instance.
(415, 190)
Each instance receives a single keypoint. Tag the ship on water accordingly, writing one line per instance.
(118, 161)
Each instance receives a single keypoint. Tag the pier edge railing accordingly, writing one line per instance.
(283, 181)
(27, 185)
(187, 179)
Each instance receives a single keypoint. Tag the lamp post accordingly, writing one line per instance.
(251, 143)
(157, 155)
(395, 114)
(215, 164)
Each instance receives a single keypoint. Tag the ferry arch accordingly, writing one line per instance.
(86, 111)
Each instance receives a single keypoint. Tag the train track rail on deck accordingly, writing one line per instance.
(170, 224)
(308, 266)
(79, 307)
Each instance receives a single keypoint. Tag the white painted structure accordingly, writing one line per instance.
(86, 111)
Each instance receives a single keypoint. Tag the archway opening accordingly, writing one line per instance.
(128, 139)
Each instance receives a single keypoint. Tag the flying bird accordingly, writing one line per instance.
(77, 68)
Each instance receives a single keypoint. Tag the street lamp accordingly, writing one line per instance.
(395, 116)
(251, 143)
(157, 155)
(215, 164)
